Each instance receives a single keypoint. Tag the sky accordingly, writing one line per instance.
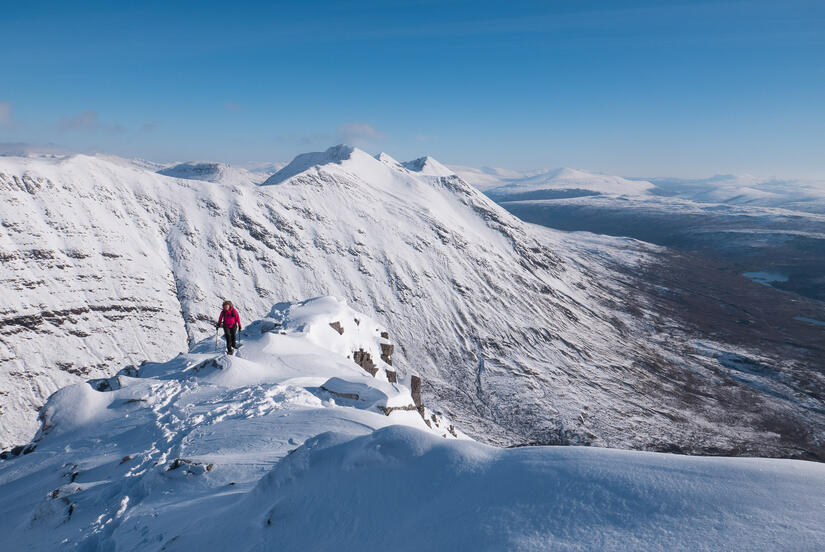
(636, 88)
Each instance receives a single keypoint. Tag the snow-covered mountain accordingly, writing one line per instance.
(292, 445)
(749, 224)
(522, 335)
(566, 182)
(807, 196)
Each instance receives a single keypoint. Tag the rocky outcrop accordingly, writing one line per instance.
(386, 352)
(390, 409)
(17, 451)
(363, 359)
(189, 466)
(105, 384)
(415, 390)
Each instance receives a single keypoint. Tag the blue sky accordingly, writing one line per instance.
(632, 88)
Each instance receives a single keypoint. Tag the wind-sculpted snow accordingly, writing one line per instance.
(522, 335)
(108, 447)
(289, 445)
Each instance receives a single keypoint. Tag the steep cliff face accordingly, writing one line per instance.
(522, 334)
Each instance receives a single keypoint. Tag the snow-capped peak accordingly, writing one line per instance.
(428, 166)
(389, 160)
(305, 161)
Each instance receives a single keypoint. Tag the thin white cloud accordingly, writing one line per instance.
(5, 114)
(358, 133)
(25, 148)
(88, 121)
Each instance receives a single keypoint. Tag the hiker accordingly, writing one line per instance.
(231, 322)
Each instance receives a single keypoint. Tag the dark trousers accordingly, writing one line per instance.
(230, 333)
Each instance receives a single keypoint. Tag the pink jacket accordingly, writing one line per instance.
(229, 318)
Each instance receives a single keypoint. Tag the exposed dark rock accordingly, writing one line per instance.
(392, 376)
(387, 410)
(415, 389)
(337, 327)
(11, 453)
(58, 317)
(129, 371)
(190, 466)
(386, 352)
(364, 360)
(17, 451)
(385, 335)
(106, 384)
(26, 183)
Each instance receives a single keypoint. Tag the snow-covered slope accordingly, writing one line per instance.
(522, 335)
(387, 159)
(212, 172)
(292, 446)
(485, 178)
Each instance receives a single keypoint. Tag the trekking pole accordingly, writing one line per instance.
(217, 331)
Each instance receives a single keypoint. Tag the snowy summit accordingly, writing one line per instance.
(428, 166)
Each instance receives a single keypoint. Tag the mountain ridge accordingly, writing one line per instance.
(522, 335)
